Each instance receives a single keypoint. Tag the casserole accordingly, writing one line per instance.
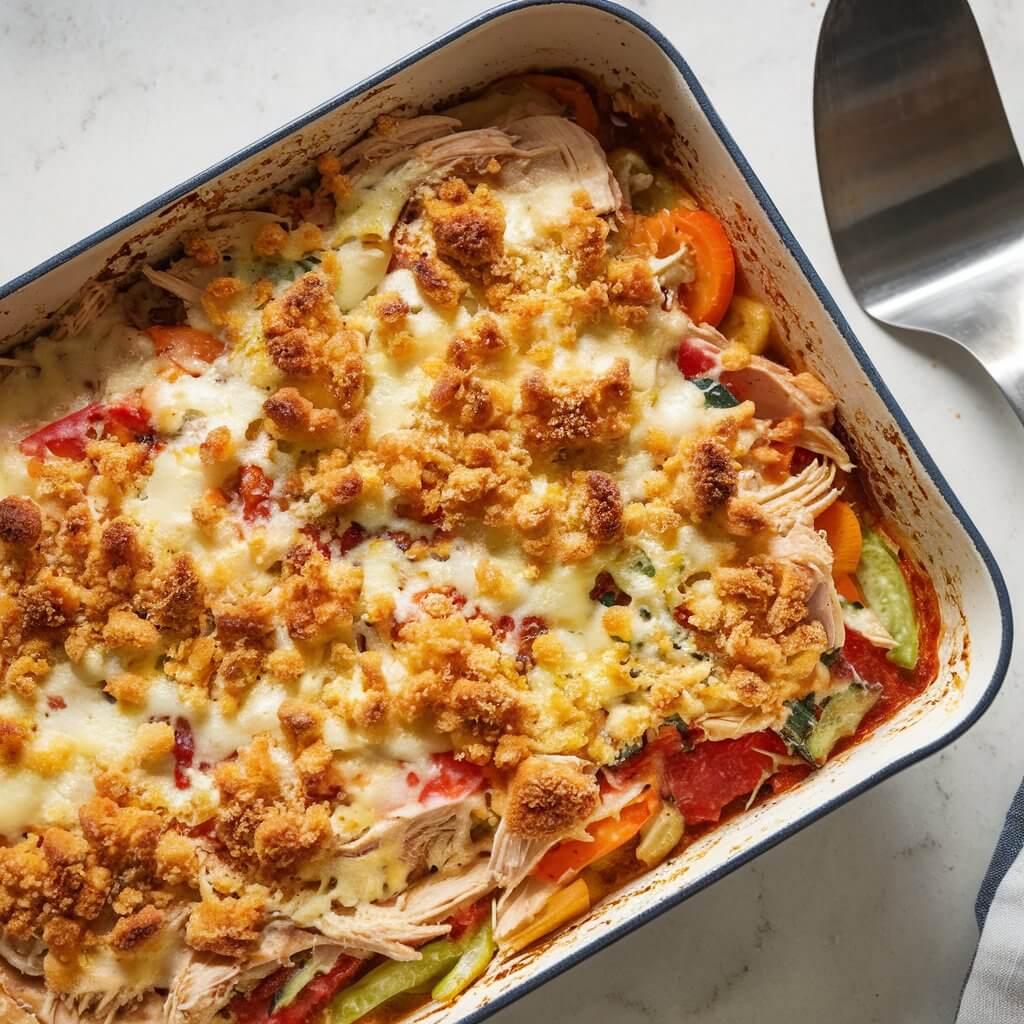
(875, 453)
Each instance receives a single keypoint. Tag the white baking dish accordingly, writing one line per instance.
(623, 50)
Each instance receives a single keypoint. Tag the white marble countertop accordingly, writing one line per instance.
(865, 916)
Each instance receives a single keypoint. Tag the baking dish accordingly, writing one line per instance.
(614, 45)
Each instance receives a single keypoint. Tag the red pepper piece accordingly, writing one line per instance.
(254, 486)
(451, 778)
(696, 358)
(184, 752)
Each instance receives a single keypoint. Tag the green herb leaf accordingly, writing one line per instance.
(678, 722)
(716, 396)
(626, 752)
(644, 565)
(800, 724)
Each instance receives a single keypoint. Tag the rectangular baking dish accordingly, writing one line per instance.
(623, 50)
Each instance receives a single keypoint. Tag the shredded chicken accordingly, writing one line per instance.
(100, 996)
(175, 285)
(732, 726)
(778, 393)
(205, 983)
(86, 308)
(806, 546)
(563, 151)
(439, 896)
(869, 625)
(476, 147)
(429, 837)
(803, 496)
(520, 905)
(373, 929)
(380, 152)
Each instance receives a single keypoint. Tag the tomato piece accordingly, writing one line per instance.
(66, 437)
(184, 752)
(571, 94)
(316, 539)
(567, 859)
(129, 420)
(789, 776)
(450, 778)
(69, 436)
(185, 346)
(254, 486)
(697, 358)
(252, 1008)
(647, 763)
(706, 779)
(401, 539)
(353, 536)
(469, 917)
(319, 992)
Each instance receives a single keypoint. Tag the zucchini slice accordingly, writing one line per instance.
(841, 715)
(813, 737)
(889, 597)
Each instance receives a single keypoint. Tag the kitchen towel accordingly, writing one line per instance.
(994, 992)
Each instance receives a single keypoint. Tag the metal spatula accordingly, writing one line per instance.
(923, 185)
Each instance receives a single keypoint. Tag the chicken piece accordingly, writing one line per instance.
(803, 496)
(437, 897)
(778, 393)
(562, 152)
(477, 148)
(427, 837)
(381, 151)
(803, 545)
(205, 983)
(371, 929)
(550, 797)
(520, 905)
(185, 291)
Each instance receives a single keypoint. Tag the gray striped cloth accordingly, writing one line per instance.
(994, 991)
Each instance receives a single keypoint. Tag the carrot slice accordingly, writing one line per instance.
(571, 94)
(569, 858)
(707, 297)
(842, 527)
(847, 587)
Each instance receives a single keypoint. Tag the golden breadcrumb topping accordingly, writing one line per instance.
(378, 515)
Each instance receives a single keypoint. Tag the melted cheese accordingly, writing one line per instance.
(363, 269)
(164, 507)
(592, 681)
(194, 405)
